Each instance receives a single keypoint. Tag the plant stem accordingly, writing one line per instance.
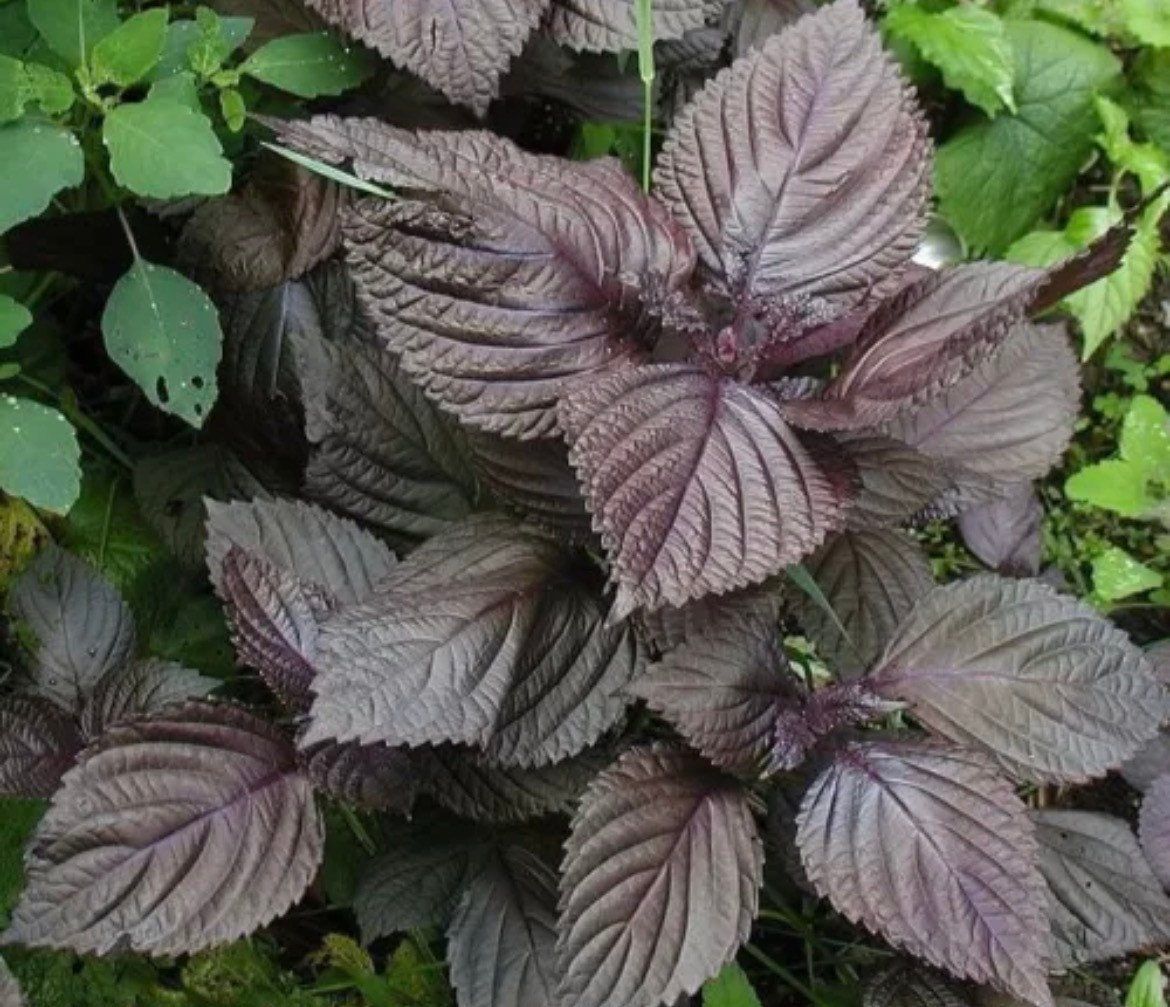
(75, 416)
(359, 830)
(645, 21)
(779, 970)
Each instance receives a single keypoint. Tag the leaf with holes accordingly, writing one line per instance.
(172, 834)
(1049, 688)
(953, 879)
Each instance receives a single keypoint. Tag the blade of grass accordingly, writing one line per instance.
(645, 21)
(329, 171)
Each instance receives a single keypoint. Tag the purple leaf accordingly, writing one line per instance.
(911, 985)
(926, 846)
(315, 546)
(1154, 828)
(485, 636)
(696, 483)
(10, 992)
(1103, 899)
(1005, 534)
(611, 25)
(1006, 422)
(871, 580)
(517, 273)
(803, 171)
(81, 625)
(1053, 691)
(419, 879)
(459, 47)
(896, 481)
(171, 835)
(660, 881)
(753, 22)
(274, 620)
(467, 784)
(373, 777)
(38, 742)
(380, 452)
(145, 686)
(501, 944)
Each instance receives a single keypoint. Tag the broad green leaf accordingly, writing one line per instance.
(14, 319)
(731, 988)
(179, 87)
(310, 64)
(968, 45)
(17, 34)
(1145, 438)
(1147, 988)
(233, 109)
(1145, 160)
(996, 178)
(13, 84)
(37, 160)
(72, 27)
(51, 90)
(39, 454)
(1098, 17)
(130, 51)
(162, 148)
(1114, 485)
(163, 331)
(181, 35)
(1117, 575)
(1148, 21)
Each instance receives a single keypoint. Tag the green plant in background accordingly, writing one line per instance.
(1148, 987)
(95, 110)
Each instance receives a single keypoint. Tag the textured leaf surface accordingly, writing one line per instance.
(912, 985)
(459, 48)
(660, 880)
(38, 159)
(82, 626)
(696, 483)
(1005, 534)
(611, 25)
(952, 880)
(575, 246)
(145, 686)
(171, 835)
(1154, 827)
(483, 636)
(871, 580)
(38, 742)
(804, 169)
(895, 480)
(374, 777)
(1040, 681)
(40, 459)
(379, 450)
(501, 944)
(1104, 900)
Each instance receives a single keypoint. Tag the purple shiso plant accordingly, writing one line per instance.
(576, 450)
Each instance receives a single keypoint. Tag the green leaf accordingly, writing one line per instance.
(14, 319)
(1145, 438)
(1148, 162)
(37, 160)
(17, 34)
(18, 818)
(13, 85)
(22, 536)
(132, 50)
(163, 331)
(162, 148)
(968, 45)
(1115, 485)
(996, 178)
(1148, 21)
(1117, 575)
(310, 64)
(179, 87)
(72, 27)
(51, 90)
(39, 454)
(182, 35)
(232, 108)
(731, 988)
(1148, 988)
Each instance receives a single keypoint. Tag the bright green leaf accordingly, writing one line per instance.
(39, 454)
(17, 34)
(13, 87)
(14, 319)
(310, 64)
(1117, 575)
(232, 108)
(1145, 438)
(731, 988)
(968, 45)
(51, 90)
(1148, 988)
(179, 87)
(72, 27)
(1115, 485)
(1148, 162)
(132, 50)
(996, 178)
(162, 148)
(1148, 21)
(37, 160)
(163, 331)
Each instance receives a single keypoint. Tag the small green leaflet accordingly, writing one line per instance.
(1117, 575)
(329, 171)
(14, 319)
(130, 51)
(40, 459)
(968, 45)
(310, 64)
(22, 84)
(37, 160)
(1148, 21)
(1148, 162)
(181, 35)
(162, 148)
(731, 988)
(1148, 988)
(163, 331)
(12, 88)
(72, 27)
